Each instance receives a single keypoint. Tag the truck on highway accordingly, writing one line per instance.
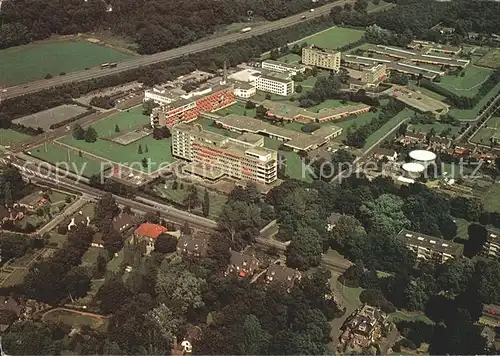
(108, 65)
(246, 29)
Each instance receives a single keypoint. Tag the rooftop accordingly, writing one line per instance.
(122, 221)
(433, 243)
(286, 65)
(150, 230)
(277, 77)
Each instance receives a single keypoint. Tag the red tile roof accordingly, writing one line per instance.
(150, 230)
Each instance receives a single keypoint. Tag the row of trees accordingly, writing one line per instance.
(89, 135)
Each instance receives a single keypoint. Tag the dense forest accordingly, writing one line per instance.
(155, 25)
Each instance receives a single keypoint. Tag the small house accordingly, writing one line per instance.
(241, 264)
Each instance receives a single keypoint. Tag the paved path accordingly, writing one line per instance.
(69, 211)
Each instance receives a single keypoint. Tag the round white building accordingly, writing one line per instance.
(423, 157)
(413, 170)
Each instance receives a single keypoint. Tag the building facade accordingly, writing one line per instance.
(430, 248)
(186, 110)
(491, 248)
(277, 66)
(321, 58)
(244, 90)
(275, 84)
(214, 156)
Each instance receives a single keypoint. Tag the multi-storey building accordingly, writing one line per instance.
(244, 90)
(430, 248)
(277, 66)
(276, 83)
(186, 110)
(160, 96)
(374, 74)
(321, 58)
(213, 156)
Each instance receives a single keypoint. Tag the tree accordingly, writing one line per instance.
(77, 282)
(346, 227)
(101, 264)
(90, 135)
(384, 215)
(241, 221)
(8, 200)
(112, 295)
(105, 211)
(206, 204)
(117, 128)
(165, 321)
(489, 282)
(146, 150)
(29, 338)
(139, 149)
(186, 229)
(113, 241)
(165, 244)
(298, 88)
(352, 276)
(305, 249)
(145, 162)
(253, 338)
(455, 276)
(148, 106)
(478, 236)
(192, 200)
(78, 132)
(249, 105)
(160, 133)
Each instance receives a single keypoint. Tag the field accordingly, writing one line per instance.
(437, 126)
(67, 158)
(34, 61)
(401, 316)
(90, 256)
(489, 130)
(46, 118)
(490, 59)
(158, 151)
(75, 318)
(471, 114)
(377, 135)
(217, 201)
(491, 201)
(333, 38)
(467, 85)
(9, 137)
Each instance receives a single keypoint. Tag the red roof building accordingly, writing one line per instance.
(149, 230)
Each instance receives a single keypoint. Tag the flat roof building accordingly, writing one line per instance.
(430, 248)
(276, 83)
(298, 141)
(283, 67)
(213, 156)
(491, 248)
(321, 58)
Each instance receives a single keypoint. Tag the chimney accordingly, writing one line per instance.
(224, 75)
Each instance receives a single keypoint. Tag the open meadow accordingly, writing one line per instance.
(333, 38)
(22, 64)
(469, 84)
(490, 130)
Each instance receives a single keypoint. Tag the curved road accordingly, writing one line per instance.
(146, 60)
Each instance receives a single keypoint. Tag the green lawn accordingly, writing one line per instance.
(354, 120)
(15, 278)
(295, 168)
(327, 104)
(57, 239)
(401, 316)
(467, 85)
(90, 256)
(291, 58)
(9, 137)
(437, 126)
(207, 125)
(159, 151)
(485, 133)
(217, 201)
(236, 109)
(74, 318)
(334, 37)
(22, 64)
(491, 200)
(462, 228)
(88, 210)
(490, 59)
(406, 113)
(63, 157)
(471, 114)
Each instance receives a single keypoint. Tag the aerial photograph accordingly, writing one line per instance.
(249, 177)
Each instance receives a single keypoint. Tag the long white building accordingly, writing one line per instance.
(275, 84)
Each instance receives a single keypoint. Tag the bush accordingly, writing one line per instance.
(48, 76)
(375, 298)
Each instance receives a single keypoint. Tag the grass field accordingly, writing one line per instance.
(236, 109)
(406, 113)
(327, 104)
(9, 137)
(159, 151)
(291, 58)
(467, 85)
(471, 114)
(74, 318)
(217, 201)
(437, 126)
(401, 316)
(26, 63)
(412, 85)
(15, 278)
(485, 133)
(207, 125)
(491, 201)
(56, 154)
(334, 37)
(490, 59)
(90, 256)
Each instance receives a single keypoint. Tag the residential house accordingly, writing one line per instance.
(491, 248)
(283, 274)
(466, 149)
(186, 347)
(122, 222)
(241, 264)
(10, 311)
(413, 138)
(11, 214)
(192, 245)
(439, 143)
(33, 201)
(149, 233)
(332, 220)
(363, 328)
(489, 335)
(385, 153)
(79, 220)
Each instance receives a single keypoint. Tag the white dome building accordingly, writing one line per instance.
(423, 157)
(413, 170)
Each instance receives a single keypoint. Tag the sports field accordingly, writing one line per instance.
(9, 137)
(334, 37)
(67, 158)
(491, 59)
(469, 84)
(490, 130)
(34, 61)
(158, 151)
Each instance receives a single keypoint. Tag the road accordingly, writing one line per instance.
(140, 61)
(69, 211)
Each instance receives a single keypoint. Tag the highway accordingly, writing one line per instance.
(159, 57)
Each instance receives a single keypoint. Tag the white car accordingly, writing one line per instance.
(312, 10)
